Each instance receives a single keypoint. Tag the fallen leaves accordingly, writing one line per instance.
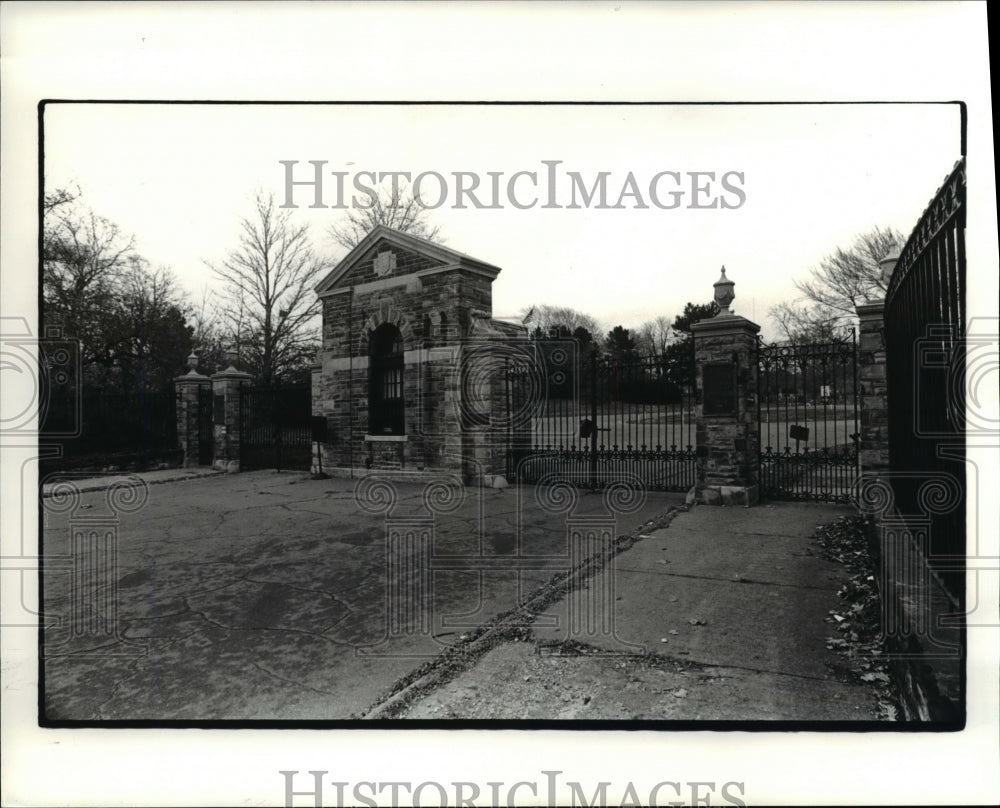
(858, 620)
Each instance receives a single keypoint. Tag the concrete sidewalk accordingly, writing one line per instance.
(720, 616)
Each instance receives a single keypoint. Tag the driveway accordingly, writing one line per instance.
(271, 596)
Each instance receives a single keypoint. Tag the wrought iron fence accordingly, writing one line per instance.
(925, 368)
(97, 430)
(597, 419)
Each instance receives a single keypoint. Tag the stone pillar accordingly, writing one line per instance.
(873, 447)
(189, 387)
(727, 431)
(227, 383)
(485, 407)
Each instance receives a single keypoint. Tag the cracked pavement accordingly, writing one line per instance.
(721, 616)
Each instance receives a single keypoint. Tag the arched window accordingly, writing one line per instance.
(385, 399)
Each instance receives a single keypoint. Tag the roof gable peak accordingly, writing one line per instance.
(434, 254)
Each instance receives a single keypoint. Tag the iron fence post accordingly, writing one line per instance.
(593, 418)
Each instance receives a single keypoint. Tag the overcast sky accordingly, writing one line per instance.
(811, 177)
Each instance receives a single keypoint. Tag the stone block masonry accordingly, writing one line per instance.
(438, 303)
(227, 384)
(873, 390)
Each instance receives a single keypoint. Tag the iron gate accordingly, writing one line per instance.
(599, 419)
(275, 428)
(808, 415)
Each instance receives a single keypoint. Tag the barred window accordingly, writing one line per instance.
(392, 383)
(386, 381)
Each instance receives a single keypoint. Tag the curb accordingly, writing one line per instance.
(104, 483)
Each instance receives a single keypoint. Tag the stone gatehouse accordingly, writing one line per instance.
(410, 374)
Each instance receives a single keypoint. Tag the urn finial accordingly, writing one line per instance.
(888, 264)
(724, 294)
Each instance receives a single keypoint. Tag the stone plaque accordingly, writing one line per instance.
(385, 262)
(719, 389)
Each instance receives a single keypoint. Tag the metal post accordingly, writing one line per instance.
(510, 420)
(593, 418)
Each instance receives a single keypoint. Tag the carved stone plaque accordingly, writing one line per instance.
(719, 389)
(385, 262)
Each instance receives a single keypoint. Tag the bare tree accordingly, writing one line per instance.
(546, 317)
(804, 324)
(57, 198)
(207, 337)
(841, 281)
(129, 319)
(653, 336)
(84, 257)
(269, 306)
(393, 206)
(848, 277)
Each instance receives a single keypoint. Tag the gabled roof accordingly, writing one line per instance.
(444, 256)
